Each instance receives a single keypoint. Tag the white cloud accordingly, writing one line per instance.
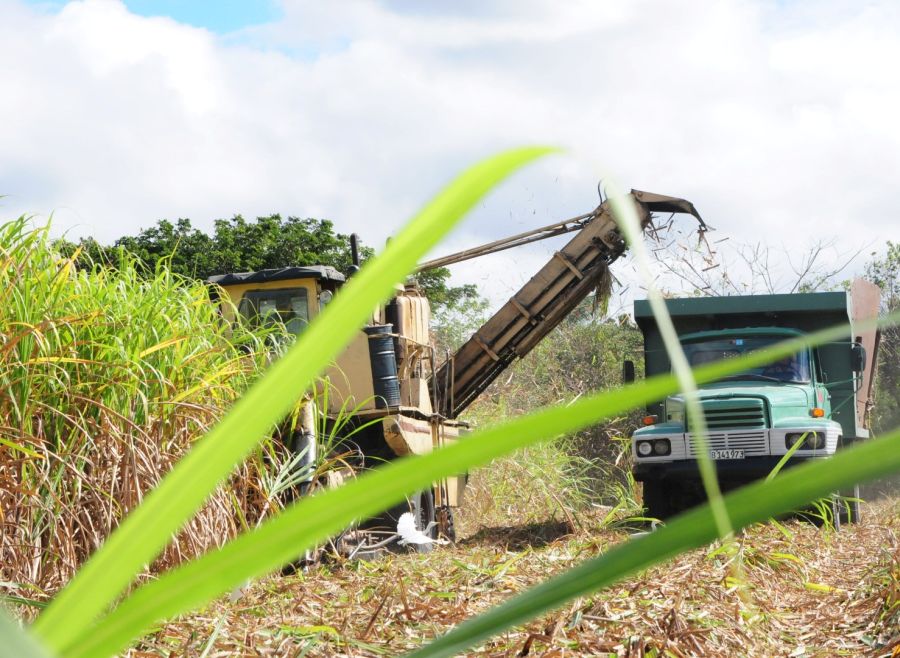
(779, 122)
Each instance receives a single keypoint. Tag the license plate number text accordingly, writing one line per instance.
(726, 454)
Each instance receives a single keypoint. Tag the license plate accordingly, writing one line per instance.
(726, 454)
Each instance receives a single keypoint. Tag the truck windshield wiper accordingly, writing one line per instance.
(765, 378)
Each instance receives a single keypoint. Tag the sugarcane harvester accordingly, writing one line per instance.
(389, 394)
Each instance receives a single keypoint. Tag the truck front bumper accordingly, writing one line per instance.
(728, 470)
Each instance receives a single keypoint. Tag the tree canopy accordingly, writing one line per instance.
(239, 245)
(885, 272)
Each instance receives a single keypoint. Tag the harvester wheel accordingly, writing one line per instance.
(423, 510)
(421, 504)
(446, 523)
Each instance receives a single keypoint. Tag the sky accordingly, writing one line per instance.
(778, 120)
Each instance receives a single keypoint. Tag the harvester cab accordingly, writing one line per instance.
(291, 296)
(374, 402)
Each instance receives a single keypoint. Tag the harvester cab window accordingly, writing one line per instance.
(289, 306)
(791, 369)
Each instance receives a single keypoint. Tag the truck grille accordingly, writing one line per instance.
(740, 414)
(752, 443)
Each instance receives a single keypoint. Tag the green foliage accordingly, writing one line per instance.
(107, 377)
(582, 355)
(577, 358)
(550, 480)
(239, 245)
(885, 272)
(235, 245)
(434, 284)
(454, 322)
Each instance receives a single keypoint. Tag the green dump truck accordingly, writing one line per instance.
(755, 417)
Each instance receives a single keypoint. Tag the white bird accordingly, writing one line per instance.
(410, 534)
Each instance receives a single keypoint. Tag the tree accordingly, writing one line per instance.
(434, 282)
(239, 245)
(704, 269)
(455, 321)
(885, 272)
(724, 267)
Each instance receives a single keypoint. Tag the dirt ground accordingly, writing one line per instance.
(800, 591)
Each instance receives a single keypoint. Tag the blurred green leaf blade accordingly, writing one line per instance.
(148, 528)
(319, 517)
(753, 503)
(16, 642)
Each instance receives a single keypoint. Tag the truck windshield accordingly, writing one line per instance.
(794, 368)
(287, 306)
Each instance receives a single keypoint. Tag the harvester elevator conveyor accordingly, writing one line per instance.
(541, 304)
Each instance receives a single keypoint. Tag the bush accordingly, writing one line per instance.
(557, 479)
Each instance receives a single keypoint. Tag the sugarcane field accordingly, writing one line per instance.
(338, 330)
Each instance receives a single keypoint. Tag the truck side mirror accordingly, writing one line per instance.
(627, 372)
(857, 357)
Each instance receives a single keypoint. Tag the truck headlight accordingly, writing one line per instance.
(662, 447)
(655, 447)
(813, 440)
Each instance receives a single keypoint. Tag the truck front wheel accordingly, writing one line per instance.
(656, 499)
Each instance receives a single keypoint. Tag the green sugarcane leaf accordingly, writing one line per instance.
(145, 532)
(693, 529)
(314, 519)
(16, 642)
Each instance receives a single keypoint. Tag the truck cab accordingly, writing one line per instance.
(818, 397)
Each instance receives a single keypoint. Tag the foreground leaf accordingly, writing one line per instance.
(755, 502)
(314, 519)
(17, 643)
(626, 215)
(148, 528)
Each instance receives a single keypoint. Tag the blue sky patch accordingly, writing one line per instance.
(220, 16)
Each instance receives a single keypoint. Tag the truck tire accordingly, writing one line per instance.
(656, 500)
